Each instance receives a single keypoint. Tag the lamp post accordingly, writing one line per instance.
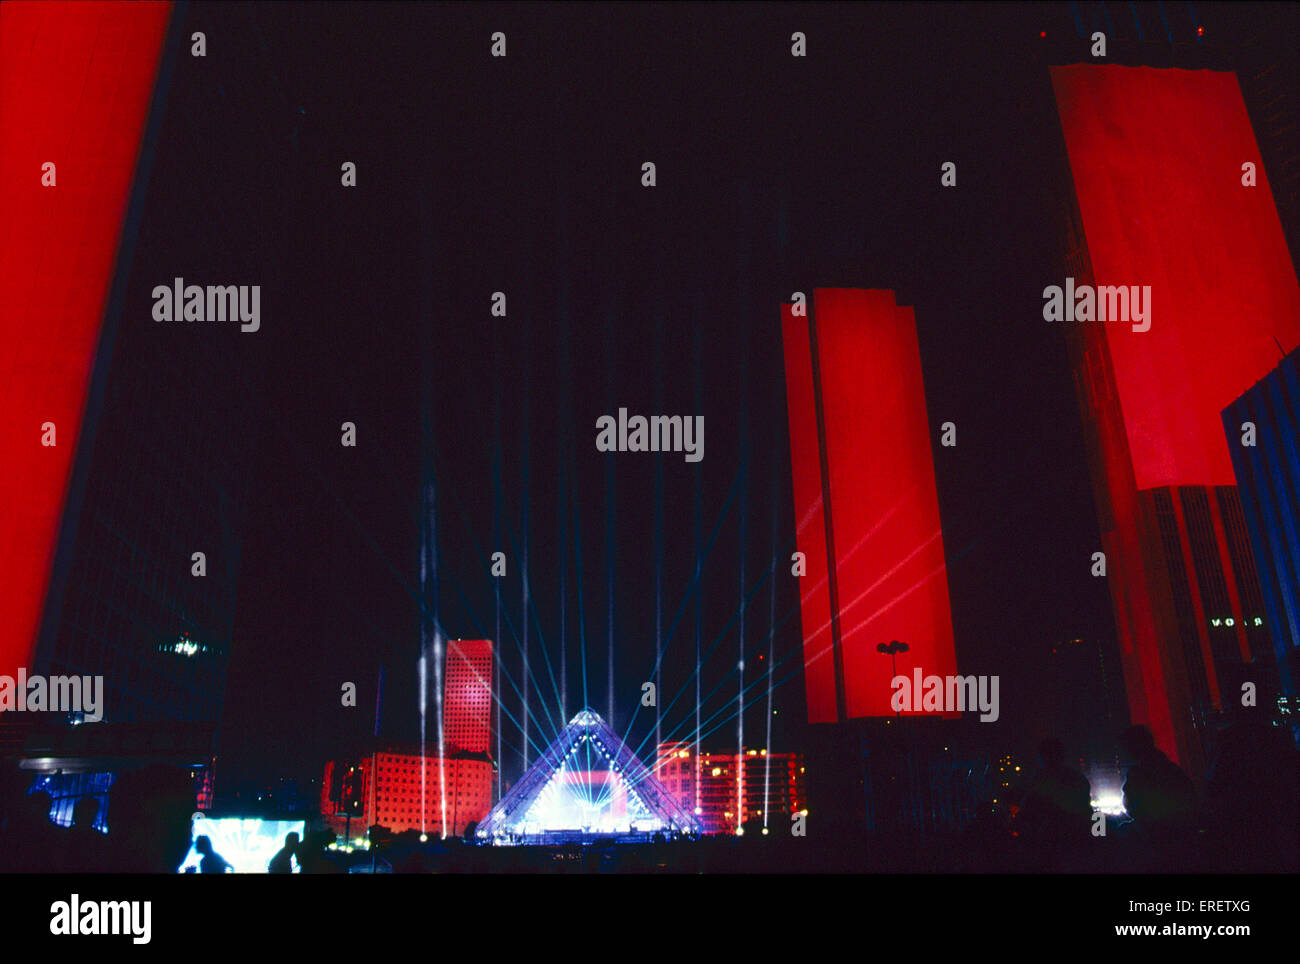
(892, 649)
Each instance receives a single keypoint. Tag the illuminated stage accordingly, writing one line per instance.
(586, 785)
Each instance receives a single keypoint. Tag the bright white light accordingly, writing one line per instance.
(1111, 804)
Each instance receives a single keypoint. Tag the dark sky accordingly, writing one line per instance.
(522, 175)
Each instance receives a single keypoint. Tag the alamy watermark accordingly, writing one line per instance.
(1125, 303)
(60, 694)
(658, 433)
(946, 694)
(181, 302)
(75, 917)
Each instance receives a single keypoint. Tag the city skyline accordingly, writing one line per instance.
(412, 483)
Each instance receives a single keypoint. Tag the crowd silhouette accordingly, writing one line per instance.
(1244, 819)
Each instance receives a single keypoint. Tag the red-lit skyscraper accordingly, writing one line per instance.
(866, 506)
(467, 696)
(75, 87)
(1160, 198)
(403, 791)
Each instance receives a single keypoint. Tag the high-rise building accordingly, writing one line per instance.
(725, 791)
(113, 503)
(401, 791)
(467, 696)
(79, 81)
(866, 505)
(1263, 432)
(1170, 197)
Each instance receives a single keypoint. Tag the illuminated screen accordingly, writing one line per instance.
(876, 557)
(247, 844)
(1157, 160)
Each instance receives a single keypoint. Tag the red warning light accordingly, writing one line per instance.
(1042, 33)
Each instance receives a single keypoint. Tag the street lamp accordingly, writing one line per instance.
(892, 649)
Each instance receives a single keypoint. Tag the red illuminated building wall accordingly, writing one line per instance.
(467, 695)
(866, 506)
(75, 86)
(392, 784)
(400, 793)
(1156, 160)
(726, 790)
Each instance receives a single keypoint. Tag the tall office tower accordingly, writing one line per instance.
(467, 696)
(76, 80)
(1268, 481)
(134, 609)
(96, 476)
(866, 506)
(1162, 197)
(157, 472)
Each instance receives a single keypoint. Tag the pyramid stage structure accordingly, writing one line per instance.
(586, 785)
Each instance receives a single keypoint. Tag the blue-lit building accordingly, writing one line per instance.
(1268, 480)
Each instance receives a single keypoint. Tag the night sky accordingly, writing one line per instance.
(477, 174)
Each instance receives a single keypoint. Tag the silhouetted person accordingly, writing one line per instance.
(311, 855)
(282, 862)
(1158, 795)
(212, 862)
(1056, 812)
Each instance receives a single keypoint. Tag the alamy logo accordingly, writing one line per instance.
(61, 694)
(1126, 303)
(946, 694)
(181, 302)
(74, 917)
(659, 433)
